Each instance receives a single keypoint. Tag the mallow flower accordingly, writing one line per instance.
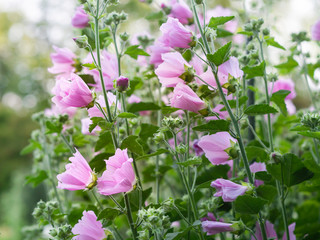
(175, 35)
(216, 147)
(156, 51)
(284, 84)
(271, 233)
(170, 71)
(80, 18)
(63, 60)
(229, 191)
(78, 174)
(185, 98)
(119, 176)
(85, 124)
(315, 31)
(95, 112)
(214, 227)
(258, 167)
(88, 228)
(71, 92)
(181, 11)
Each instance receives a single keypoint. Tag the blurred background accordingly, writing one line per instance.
(28, 29)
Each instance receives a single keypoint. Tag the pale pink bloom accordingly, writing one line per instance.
(215, 145)
(80, 18)
(56, 111)
(63, 61)
(271, 233)
(156, 51)
(95, 112)
(291, 228)
(175, 35)
(185, 98)
(119, 176)
(85, 124)
(71, 92)
(315, 31)
(109, 66)
(181, 11)
(78, 174)
(175, 224)
(197, 64)
(290, 107)
(171, 69)
(284, 84)
(220, 11)
(197, 149)
(88, 228)
(134, 99)
(229, 191)
(258, 167)
(214, 227)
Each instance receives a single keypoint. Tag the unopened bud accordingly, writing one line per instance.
(122, 84)
(82, 41)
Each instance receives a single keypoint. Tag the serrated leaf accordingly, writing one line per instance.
(53, 127)
(87, 78)
(271, 42)
(33, 145)
(134, 51)
(289, 65)
(221, 55)
(132, 145)
(158, 152)
(267, 192)
(221, 33)
(109, 213)
(213, 126)
(259, 109)
(35, 180)
(216, 21)
(95, 121)
(254, 71)
(279, 99)
(147, 131)
(299, 127)
(167, 110)
(254, 152)
(126, 115)
(105, 141)
(249, 205)
(190, 163)
(143, 106)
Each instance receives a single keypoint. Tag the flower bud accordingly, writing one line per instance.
(198, 2)
(122, 84)
(124, 36)
(181, 149)
(266, 32)
(277, 157)
(82, 41)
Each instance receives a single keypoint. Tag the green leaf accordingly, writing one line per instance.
(279, 99)
(147, 131)
(271, 42)
(245, 33)
(187, 55)
(300, 128)
(95, 121)
(87, 78)
(264, 176)
(254, 152)
(267, 192)
(143, 106)
(212, 173)
(158, 152)
(255, 71)
(53, 127)
(249, 205)
(310, 162)
(190, 163)
(33, 145)
(259, 109)
(289, 65)
(221, 33)
(310, 134)
(213, 126)
(134, 198)
(233, 103)
(221, 55)
(134, 51)
(35, 180)
(293, 170)
(167, 110)
(132, 145)
(109, 213)
(105, 141)
(308, 218)
(126, 115)
(312, 68)
(89, 65)
(216, 21)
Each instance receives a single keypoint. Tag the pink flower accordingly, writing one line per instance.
(229, 191)
(85, 124)
(175, 35)
(271, 233)
(258, 167)
(56, 111)
(197, 149)
(80, 18)
(119, 176)
(220, 11)
(290, 107)
(315, 31)
(181, 11)
(134, 99)
(291, 228)
(71, 92)
(95, 112)
(88, 228)
(156, 50)
(171, 69)
(215, 146)
(109, 66)
(284, 84)
(122, 83)
(78, 174)
(214, 227)
(186, 99)
(63, 61)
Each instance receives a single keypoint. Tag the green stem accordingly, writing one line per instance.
(158, 146)
(97, 200)
(117, 203)
(316, 147)
(129, 216)
(72, 150)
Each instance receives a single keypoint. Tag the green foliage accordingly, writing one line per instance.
(259, 109)
(216, 21)
(143, 106)
(278, 98)
(134, 51)
(213, 126)
(249, 205)
(221, 55)
(254, 71)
